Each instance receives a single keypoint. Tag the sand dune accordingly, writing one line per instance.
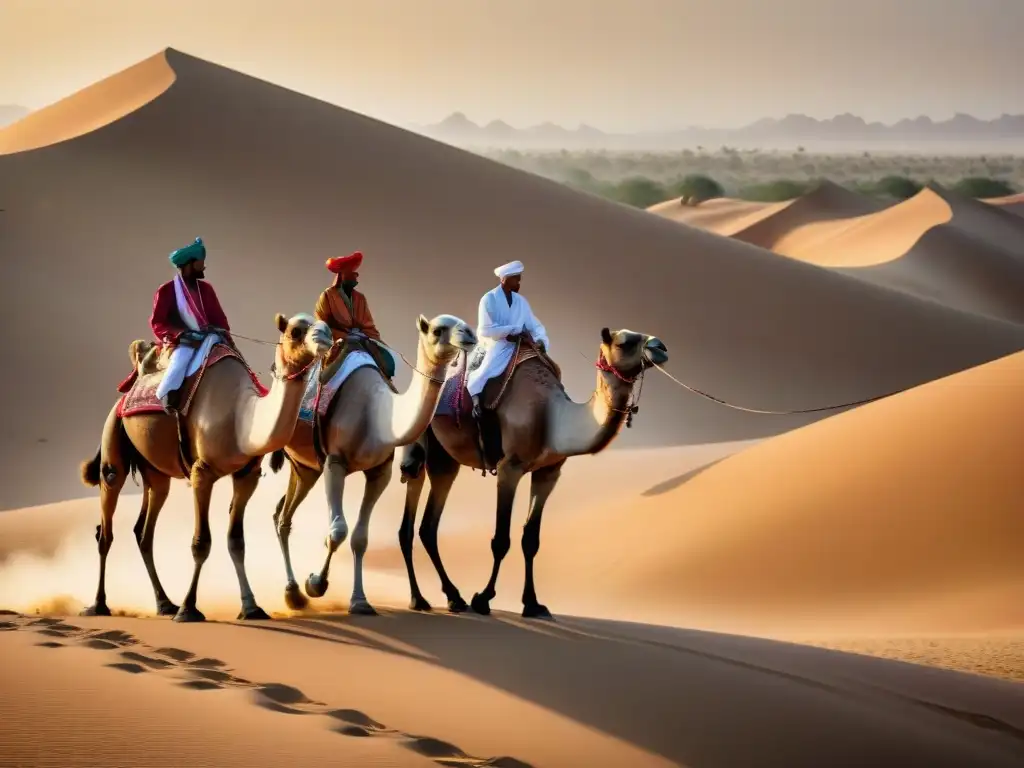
(442, 690)
(763, 224)
(902, 516)
(276, 182)
(1011, 203)
(938, 245)
(723, 216)
(94, 107)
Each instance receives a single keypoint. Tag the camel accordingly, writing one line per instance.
(363, 425)
(230, 428)
(540, 427)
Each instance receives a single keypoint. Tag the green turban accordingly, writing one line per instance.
(191, 252)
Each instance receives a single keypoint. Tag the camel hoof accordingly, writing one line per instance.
(253, 614)
(418, 603)
(361, 608)
(294, 598)
(481, 605)
(315, 586)
(166, 608)
(100, 609)
(185, 614)
(536, 611)
(457, 605)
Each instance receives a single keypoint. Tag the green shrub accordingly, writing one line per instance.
(696, 188)
(896, 187)
(639, 192)
(981, 187)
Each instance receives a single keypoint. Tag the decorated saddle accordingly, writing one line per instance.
(138, 390)
(327, 377)
(455, 400)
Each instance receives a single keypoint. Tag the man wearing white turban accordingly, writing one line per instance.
(502, 316)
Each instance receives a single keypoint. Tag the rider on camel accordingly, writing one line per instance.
(347, 313)
(188, 319)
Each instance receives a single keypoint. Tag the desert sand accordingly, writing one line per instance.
(708, 574)
(965, 254)
(275, 182)
(1012, 203)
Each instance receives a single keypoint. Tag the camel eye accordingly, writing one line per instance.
(296, 333)
(438, 332)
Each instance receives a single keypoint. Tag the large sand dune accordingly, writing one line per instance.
(762, 223)
(276, 182)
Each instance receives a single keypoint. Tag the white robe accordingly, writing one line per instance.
(185, 361)
(496, 320)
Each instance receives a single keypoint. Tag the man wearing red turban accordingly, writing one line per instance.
(345, 310)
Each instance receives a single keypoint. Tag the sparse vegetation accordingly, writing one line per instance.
(642, 179)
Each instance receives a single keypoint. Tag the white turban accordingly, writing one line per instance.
(507, 270)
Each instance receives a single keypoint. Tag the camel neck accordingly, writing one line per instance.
(410, 412)
(581, 428)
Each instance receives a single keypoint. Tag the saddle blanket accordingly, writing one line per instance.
(455, 400)
(139, 393)
(317, 398)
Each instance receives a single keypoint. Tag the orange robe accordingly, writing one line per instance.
(343, 314)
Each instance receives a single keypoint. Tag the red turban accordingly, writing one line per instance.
(342, 264)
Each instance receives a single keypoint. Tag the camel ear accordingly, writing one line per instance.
(423, 324)
(282, 322)
(606, 336)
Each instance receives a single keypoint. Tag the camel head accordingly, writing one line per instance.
(304, 339)
(631, 353)
(442, 338)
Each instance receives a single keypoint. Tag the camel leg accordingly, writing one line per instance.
(202, 480)
(510, 472)
(300, 481)
(156, 487)
(377, 479)
(413, 491)
(110, 489)
(442, 471)
(334, 484)
(542, 483)
(245, 483)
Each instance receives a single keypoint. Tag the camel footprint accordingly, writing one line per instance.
(211, 674)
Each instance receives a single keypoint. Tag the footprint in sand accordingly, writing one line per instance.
(204, 674)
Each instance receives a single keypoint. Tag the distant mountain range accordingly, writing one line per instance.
(11, 112)
(789, 131)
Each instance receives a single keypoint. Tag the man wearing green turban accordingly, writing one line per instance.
(188, 318)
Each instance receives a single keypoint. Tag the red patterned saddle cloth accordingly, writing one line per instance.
(139, 392)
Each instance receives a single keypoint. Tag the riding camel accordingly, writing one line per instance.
(540, 427)
(360, 427)
(230, 423)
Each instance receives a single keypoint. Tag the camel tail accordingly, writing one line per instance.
(277, 460)
(91, 470)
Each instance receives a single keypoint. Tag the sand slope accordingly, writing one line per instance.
(276, 181)
(1011, 203)
(93, 107)
(938, 245)
(903, 515)
(495, 691)
(763, 224)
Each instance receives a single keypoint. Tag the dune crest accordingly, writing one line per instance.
(886, 517)
(722, 215)
(99, 104)
(1011, 203)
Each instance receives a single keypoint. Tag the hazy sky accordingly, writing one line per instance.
(616, 64)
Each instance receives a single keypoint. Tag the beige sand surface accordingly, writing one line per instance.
(576, 692)
(1012, 203)
(724, 215)
(93, 107)
(275, 182)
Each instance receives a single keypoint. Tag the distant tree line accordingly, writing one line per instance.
(643, 192)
